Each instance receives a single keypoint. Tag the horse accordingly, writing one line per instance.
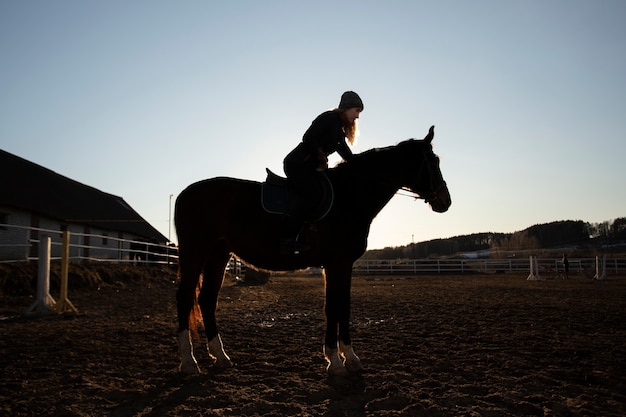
(220, 217)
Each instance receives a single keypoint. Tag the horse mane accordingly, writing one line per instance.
(378, 156)
(384, 165)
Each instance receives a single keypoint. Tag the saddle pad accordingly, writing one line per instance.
(274, 198)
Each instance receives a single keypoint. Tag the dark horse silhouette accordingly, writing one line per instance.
(218, 217)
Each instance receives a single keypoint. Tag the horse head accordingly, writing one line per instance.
(427, 181)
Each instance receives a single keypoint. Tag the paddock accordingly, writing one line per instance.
(437, 345)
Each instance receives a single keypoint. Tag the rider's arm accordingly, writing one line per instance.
(344, 150)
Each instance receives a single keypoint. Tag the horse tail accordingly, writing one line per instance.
(195, 317)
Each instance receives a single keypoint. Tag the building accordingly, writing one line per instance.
(34, 200)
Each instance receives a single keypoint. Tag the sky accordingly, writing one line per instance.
(140, 99)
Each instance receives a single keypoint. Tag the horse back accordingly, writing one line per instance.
(215, 201)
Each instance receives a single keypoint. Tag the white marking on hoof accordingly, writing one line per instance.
(216, 350)
(188, 363)
(352, 361)
(335, 364)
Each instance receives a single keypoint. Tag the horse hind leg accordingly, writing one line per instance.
(211, 285)
(185, 300)
(188, 362)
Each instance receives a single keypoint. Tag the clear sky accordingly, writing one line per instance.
(141, 98)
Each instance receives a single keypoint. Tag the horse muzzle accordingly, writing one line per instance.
(439, 199)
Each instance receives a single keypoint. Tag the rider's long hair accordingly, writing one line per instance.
(350, 129)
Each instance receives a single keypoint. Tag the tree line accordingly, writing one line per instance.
(558, 234)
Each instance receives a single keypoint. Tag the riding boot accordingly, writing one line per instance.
(293, 237)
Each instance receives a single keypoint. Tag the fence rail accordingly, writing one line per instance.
(116, 250)
(577, 266)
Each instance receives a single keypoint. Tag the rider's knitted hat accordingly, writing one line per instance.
(350, 99)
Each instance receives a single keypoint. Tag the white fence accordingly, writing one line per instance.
(111, 249)
(547, 266)
(85, 247)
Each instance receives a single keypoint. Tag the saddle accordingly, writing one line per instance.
(278, 197)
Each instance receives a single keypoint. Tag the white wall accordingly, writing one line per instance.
(13, 240)
(16, 239)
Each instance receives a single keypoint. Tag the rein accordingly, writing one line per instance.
(407, 192)
(432, 196)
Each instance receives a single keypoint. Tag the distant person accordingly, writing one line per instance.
(565, 263)
(330, 132)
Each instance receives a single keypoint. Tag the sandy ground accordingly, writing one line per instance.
(472, 345)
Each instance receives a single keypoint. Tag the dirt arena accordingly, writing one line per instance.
(474, 345)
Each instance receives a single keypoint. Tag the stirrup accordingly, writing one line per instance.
(292, 245)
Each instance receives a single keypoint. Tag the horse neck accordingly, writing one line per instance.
(372, 178)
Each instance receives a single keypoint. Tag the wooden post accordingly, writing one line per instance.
(65, 306)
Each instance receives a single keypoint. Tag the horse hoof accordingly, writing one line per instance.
(223, 364)
(354, 367)
(337, 371)
(189, 368)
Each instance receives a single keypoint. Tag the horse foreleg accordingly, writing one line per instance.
(335, 364)
(342, 361)
(331, 353)
(352, 363)
(338, 350)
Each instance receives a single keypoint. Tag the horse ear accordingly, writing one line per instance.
(431, 134)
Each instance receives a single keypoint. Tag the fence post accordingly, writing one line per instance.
(534, 270)
(600, 268)
(65, 305)
(44, 303)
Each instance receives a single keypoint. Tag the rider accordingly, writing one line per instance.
(327, 134)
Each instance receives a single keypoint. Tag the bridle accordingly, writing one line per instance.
(433, 195)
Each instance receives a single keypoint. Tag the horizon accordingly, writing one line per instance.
(505, 233)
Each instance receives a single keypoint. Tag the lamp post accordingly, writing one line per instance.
(169, 222)
(169, 230)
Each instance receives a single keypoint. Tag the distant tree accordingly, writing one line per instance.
(517, 241)
(600, 230)
(559, 233)
(548, 235)
(618, 229)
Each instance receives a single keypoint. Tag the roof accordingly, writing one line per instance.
(33, 188)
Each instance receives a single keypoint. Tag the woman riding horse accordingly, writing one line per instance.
(219, 217)
(327, 134)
